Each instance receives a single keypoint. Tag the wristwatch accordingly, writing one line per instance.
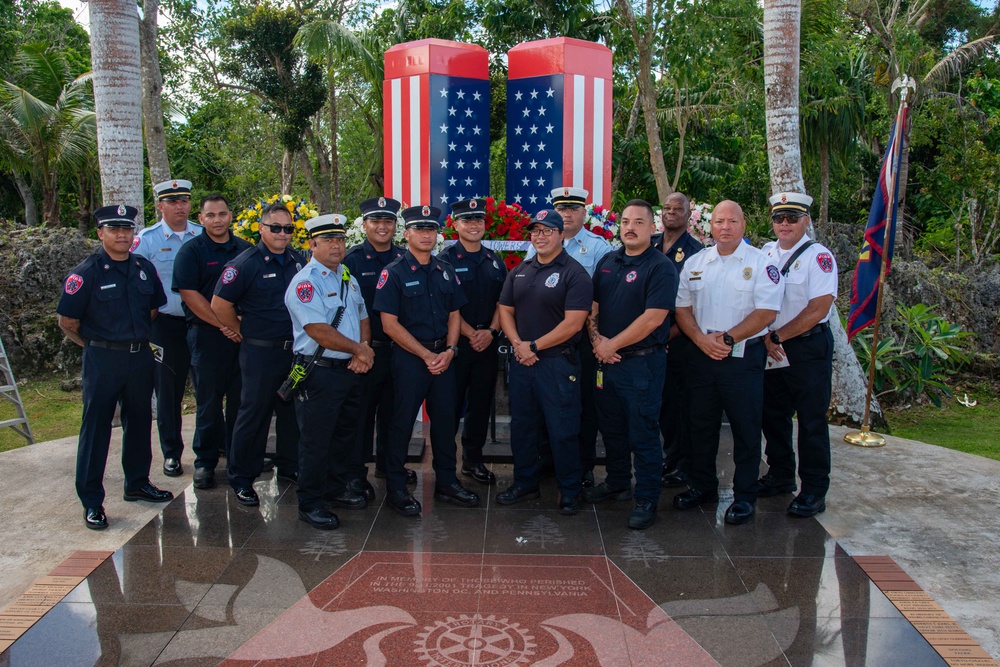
(533, 347)
(727, 339)
(774, 338)
(454, 348)
(495, 332)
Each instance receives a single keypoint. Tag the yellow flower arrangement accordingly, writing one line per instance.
(247, 224)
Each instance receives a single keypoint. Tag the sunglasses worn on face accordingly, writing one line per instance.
(790, 219)
(281, 229)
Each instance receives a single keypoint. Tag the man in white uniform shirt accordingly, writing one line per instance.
(802, 345)
(728, 296)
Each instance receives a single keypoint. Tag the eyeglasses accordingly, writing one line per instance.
(281, 229)
(790, 219)
(542, 231)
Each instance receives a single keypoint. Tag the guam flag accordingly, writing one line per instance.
(880, 235)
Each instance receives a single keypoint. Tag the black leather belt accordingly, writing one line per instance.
(434, 345)
(172, 317)
(640, 353)
(819, 328)
(280, 344)
(324, 362)
(202, 325)
(560, 351)
(381, 343)
(753, 341)
(137, 346)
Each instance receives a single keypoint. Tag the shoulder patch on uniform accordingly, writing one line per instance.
(825, 262)
(73, 283)
(382, 278)
(135, 243)
(304, 291)
(773, 273)
(229, 274)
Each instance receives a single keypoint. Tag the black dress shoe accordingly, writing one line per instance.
(569, 505)
(674, 478)
(411, 475)
(642, 515)
(603, 492)
(172, 467)
(516, 493)
(148, 492)
(363, 487)
(739, 512)
(95, 518)
(347, 499)
(692, 498)
(287, 476)
(479, 472)
(807, 504)
(403, 502)
(588, 479)
(456, 494)
(772, 486)
(320, 518)
(204, 478)
(245, 495)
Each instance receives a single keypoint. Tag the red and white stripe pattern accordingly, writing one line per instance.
(587, 135)
(407, 133)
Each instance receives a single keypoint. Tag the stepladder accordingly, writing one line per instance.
(9, 393)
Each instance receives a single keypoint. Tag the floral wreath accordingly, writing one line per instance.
(603, 222)
(504, 222)
(247, 225)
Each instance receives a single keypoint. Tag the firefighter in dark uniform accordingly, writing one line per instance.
(678, 246)
(253, 287)
(728, 295)
(107, 307)
(801, 334)
(160, 244)
(419, 299)
(634, 291)
(543, 308)
(365, 261)
(481, 274)
(327, 310)
(215, 348)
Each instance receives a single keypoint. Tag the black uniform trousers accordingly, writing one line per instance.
(110, 376)
(802, 387)
(327, 408)
(588, 413)
(628, 415)
(263, 369)
(476, 378)
(215, 367)
(170, 376)
(545, 397)
(376, 410)
(735, 385)
(414, 383)
(675, 411)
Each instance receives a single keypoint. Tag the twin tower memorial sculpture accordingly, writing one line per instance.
(437, 121)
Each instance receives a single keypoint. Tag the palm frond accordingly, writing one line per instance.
(951, 65)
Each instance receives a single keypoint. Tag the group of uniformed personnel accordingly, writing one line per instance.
(655, 338)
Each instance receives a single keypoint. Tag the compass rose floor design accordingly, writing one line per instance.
(211, 582)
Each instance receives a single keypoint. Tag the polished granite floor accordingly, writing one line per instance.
(209, 581)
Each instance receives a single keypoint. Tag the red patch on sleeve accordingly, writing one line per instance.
(825, 262)
(304, 291)
(73, 283)
(382, 278)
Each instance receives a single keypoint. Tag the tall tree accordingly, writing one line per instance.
(152, 93)
(114, 29)
(45, 125)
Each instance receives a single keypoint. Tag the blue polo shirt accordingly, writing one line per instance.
(626, 286)
(255, 283)
(199, 264)
(542, 293)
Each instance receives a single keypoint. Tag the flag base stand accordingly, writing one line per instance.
(864, 438)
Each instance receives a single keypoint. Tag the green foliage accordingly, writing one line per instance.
(919, 360)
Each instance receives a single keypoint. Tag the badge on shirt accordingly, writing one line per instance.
(142, 275)
(304, 291)
(679, 256)
(748, 273)
(135, 244)
(773, 274)
(797, 264)
(495, 265)
(73, 283)
(166, 249)
(552, 280)
(583, 250)
(631, 276)
(445, 275)
(825, 262)
(382, 278)
(229, 275)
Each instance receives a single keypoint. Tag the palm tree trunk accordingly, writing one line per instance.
(50, 203)
(334, 131)
(114, 55)
(28, 198)
(782, 20)
(152, 94)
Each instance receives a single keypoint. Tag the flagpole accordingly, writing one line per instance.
(865, 437)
